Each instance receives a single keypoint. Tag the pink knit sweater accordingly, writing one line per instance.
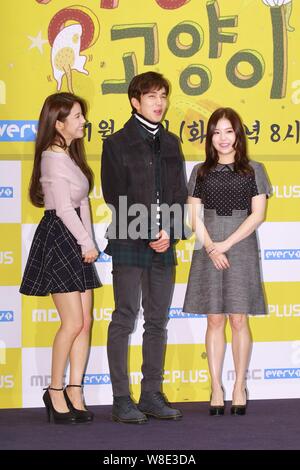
(65, 187)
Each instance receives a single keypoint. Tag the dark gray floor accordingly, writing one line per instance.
(268, 425)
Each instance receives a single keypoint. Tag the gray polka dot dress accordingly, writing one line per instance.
(226, 197)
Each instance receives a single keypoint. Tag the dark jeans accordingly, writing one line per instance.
(156, 286)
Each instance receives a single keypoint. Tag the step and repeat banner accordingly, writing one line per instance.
(243, 54)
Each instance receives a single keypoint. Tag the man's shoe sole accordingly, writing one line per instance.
(175, 418)
(129, 421)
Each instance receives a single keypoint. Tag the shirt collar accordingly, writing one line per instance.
(224, 167)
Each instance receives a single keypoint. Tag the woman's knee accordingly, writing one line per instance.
(72, 328)
(216, 321)
(238, 321)
(87, 324)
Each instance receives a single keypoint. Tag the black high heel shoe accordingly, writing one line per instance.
(82, 416)
(56, 416)
(217, 410)
(239, 410)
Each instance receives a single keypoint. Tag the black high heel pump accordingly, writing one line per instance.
(217, 410)
(82, 416)
(239, 410)
(56, 416)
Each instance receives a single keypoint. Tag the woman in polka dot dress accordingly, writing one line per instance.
(225, 276)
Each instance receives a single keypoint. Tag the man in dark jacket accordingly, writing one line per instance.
(142, 173)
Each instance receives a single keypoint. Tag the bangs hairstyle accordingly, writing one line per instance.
(57, 107)
(241, 160)
(145, 82)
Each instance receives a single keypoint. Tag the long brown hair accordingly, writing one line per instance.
(57, 107)
(241, 160)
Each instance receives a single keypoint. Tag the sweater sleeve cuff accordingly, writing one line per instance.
(89, 245)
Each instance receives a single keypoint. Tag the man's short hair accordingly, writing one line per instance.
(144, 82)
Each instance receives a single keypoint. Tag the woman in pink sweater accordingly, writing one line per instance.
(61, 257)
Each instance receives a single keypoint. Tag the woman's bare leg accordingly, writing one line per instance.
(69, 307)
(215, 348)
(241, 348)
(80, 350)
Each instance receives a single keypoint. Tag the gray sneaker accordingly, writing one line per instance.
(155, 404)
(124, 410)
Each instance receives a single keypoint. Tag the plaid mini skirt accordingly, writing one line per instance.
(55, 263)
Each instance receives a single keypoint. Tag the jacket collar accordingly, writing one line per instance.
(135, 137)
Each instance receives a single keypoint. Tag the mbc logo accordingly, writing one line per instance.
(41, 380)
(42, 315)
(6, 192)
(175, 376)
(254, 374)
(185, 376)
(6, 257)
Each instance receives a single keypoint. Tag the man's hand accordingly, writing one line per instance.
(162, 243)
